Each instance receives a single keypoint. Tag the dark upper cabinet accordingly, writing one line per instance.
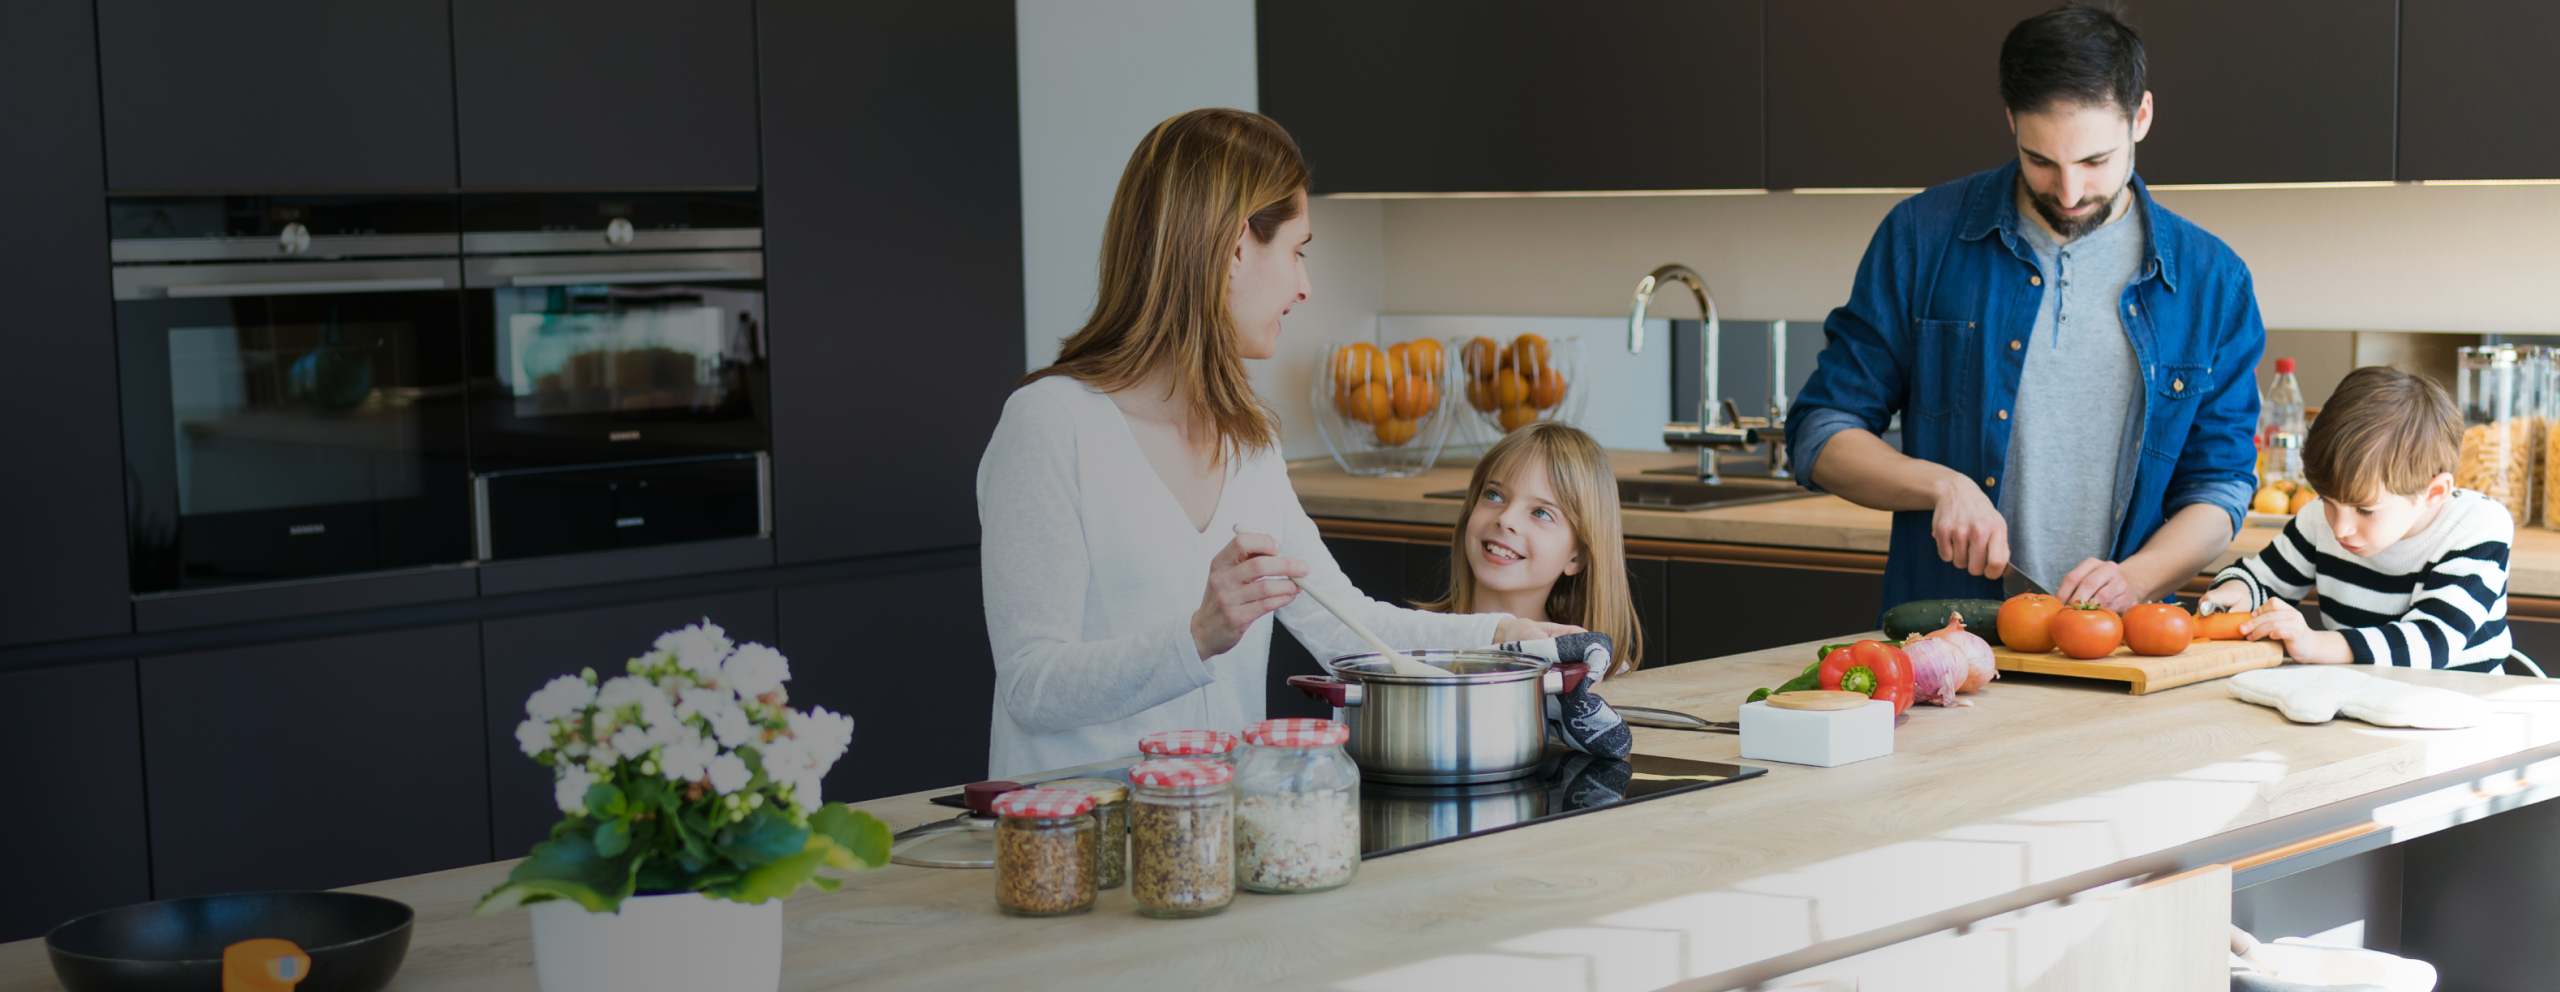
(1866, 93)
(2477, 79)
(276, 94)
(1445, 95)
(892, 167)
(78, 787)
(2268, 91)
(316, 764)
(907, 657)
(65, 575)
(518, 656)
(605, 93)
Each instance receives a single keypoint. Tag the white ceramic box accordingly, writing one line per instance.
(1817, 737)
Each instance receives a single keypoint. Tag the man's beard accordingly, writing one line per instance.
(2069, 228)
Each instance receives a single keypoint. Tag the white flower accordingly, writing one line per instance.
(698, 648)
(804, 793)
(825, 734)
(729, 773)
(732, 725)
(559, 698)
(693, 701)
(684, 761)
(631, 742)
(570, 793)
(756, 670)
(656, 710)
(533, 736)
(625, 690)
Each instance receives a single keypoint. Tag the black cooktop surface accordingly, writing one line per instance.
(1398, 818)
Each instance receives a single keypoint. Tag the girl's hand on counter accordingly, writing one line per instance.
(1246, 580)
(1516, 629)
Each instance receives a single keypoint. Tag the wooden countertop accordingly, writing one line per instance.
(2040, 780)
(1826, 523)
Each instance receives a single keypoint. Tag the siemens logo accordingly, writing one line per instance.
(627, 522)
(298, 530)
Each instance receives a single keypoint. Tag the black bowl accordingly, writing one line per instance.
(355, 942)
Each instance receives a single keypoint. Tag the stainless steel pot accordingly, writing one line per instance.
(1486, 722)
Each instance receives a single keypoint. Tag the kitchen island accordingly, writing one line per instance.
(2042, 837)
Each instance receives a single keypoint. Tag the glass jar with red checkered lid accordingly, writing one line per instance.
(1182, 837)
(1189, 744)
(1297, 807)
(1045, 852)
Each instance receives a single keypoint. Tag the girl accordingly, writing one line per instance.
(1542, 540)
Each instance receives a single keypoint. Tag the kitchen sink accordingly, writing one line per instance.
(1687, 494)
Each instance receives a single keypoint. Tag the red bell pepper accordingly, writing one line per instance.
(1875, 668)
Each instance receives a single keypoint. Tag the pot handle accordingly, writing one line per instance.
(1324, 689)
(1565, 677)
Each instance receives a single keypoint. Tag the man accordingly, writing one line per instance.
(2075, 366)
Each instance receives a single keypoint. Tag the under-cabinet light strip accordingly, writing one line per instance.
(1900, 190)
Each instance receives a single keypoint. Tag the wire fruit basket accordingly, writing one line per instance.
(1384, 411)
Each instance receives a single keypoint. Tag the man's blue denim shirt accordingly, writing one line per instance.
(1937, 329)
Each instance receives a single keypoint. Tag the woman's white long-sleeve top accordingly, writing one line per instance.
(1092, 572)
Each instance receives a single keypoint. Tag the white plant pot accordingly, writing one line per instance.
(683, 941)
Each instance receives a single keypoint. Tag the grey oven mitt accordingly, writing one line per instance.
(1578, 716)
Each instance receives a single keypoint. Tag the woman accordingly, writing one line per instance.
(1137, 521)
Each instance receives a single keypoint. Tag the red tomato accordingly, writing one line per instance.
(2086, 631)
(2158, 629)
(2022, 622)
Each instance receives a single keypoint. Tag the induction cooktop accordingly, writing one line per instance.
(1398, 818)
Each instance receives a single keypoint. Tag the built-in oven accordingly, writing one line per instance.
(293, 386)
(617, 360)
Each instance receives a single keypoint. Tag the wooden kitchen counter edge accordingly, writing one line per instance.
(2043, 787)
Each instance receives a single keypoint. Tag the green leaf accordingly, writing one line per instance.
(778, 878)
(613, 837)
(565, 868)
(861, 840)
(659, 877)
(761, 838)
(604, 801)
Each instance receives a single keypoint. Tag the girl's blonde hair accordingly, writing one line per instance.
(1598, 599)
(1196, 181)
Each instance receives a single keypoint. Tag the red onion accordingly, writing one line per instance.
(1977, 653)
(1938, 671)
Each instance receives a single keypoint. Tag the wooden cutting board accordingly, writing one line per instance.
(2202, 661)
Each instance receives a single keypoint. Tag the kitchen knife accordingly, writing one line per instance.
(1646, 716)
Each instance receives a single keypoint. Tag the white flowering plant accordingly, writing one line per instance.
(688, 774)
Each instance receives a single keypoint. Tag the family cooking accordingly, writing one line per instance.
(2072, 367)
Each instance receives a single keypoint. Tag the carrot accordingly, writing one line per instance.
(2220, 626)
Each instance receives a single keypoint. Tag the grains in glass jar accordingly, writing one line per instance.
(1111, 825)
(1045, 852)
(1182, 838)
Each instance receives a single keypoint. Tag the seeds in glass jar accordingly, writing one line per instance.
(2497, 460)
(1043, 871)
(1113, 836)
(1293, 841)
(1182, 856)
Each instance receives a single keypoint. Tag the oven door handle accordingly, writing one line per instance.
(307, 287)
(600, 278)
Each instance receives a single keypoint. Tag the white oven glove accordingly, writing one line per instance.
(2316, 693)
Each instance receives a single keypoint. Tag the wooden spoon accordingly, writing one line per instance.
(1397, 661)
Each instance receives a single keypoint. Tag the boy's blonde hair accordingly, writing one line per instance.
(1598, 599)
(2382, 431)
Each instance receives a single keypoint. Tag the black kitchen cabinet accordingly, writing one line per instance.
(1713, 609)
(518, 656)
(2476, 83)
(65, 574)
(893, 204)
(1446, 95)
(2474, 901)
(77, 790)
(907, 657)
(1648, 580)
(1866, 93)
(316, 764)
(605, 93)
(2268, 91)
(276, 94)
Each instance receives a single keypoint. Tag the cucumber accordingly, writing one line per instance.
(1920, 616)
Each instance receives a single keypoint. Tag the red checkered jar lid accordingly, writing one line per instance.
(1297, 732)
(1044, 802)
(1182, 773)
(1181, 743)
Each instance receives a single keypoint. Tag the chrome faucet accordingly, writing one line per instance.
(1720, 422)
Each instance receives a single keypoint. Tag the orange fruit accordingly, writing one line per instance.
(1396, 430)
(1529, 352)
(1361, 362)
(1518, 415)
(1369, 403)
(1480, 395)
(1509, 389)
(1479, 357)
(1399, 361)
(1547, 389)
(1414, 396)
(2269, 500)
(1423, 357)
(2301, 498)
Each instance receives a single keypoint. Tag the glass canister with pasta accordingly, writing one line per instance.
(2499, 392)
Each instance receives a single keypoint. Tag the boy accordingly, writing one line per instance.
(2411, 571)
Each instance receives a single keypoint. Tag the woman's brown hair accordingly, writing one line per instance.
(1596, 599)
(1195, 182)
